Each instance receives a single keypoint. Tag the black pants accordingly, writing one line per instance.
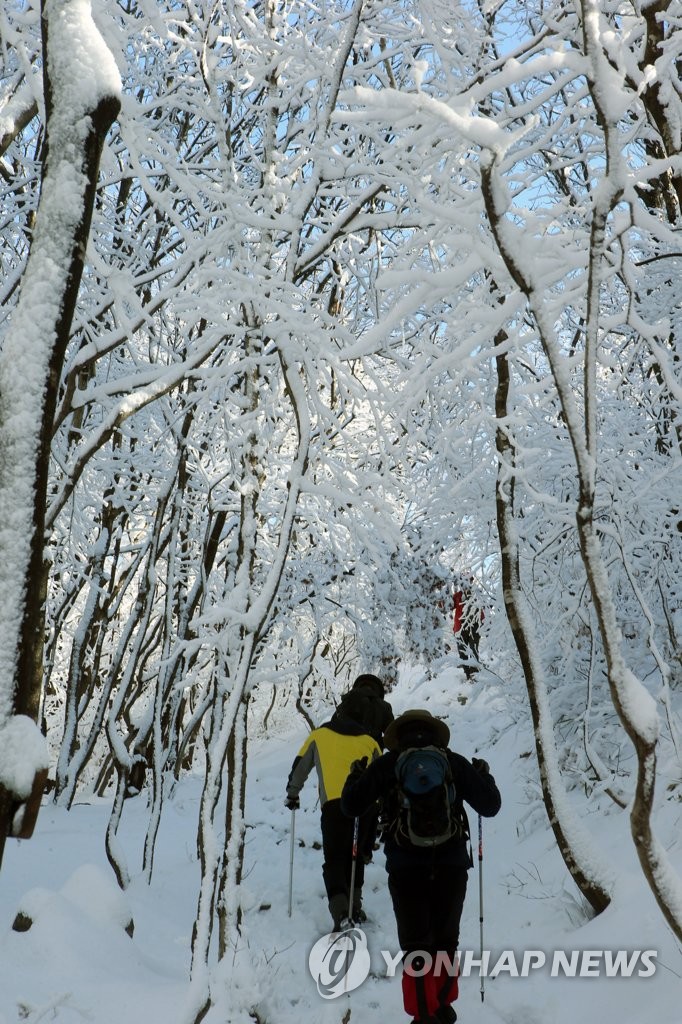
(428, 902)
(468, 640)
(337, 847)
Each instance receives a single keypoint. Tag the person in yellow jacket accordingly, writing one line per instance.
(331, 749)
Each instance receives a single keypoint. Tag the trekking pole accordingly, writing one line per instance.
(291, 857)
(356, 829)
(480, 899)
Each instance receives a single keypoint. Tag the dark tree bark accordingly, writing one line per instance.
(86, 130)
(594, 889)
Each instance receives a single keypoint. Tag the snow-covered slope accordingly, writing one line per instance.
(77, 964)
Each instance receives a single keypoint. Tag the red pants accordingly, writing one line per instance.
(425, 992)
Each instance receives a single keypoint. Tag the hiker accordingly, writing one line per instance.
(331, 749)
(426, 847)
(365, 703)
(467, 620)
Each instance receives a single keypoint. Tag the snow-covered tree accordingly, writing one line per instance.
(373, 295)
(81, 99)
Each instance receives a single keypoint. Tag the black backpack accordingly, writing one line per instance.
(427, 813)
(366, 710)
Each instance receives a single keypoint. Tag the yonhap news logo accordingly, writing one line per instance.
(340, 962)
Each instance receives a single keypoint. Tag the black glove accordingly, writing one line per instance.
(292, 802)
(358, 767)
(481, 766)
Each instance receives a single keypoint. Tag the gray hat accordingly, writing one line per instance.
(417, 720)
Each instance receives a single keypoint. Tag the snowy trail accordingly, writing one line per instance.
(77, 965)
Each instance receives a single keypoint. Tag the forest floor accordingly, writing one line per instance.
(77, 965)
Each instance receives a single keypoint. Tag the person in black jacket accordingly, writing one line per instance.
(331, 749)
(427, 884)
(365, 702)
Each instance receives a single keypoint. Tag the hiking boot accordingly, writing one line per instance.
(359, 916)
(446, 1015)
(443, 1015)
(338, 908)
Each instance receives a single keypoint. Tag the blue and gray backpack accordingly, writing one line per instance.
(427, 811)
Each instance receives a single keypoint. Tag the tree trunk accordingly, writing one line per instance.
(586, 870)
(33, 352)
(229, 906)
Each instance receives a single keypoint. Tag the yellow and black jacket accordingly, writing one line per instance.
(331, 749)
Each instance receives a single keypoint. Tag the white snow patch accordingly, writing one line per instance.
(23, 753)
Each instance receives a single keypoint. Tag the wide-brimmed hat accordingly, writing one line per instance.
(416, 721)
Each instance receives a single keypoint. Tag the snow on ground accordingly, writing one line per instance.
(78, 964)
